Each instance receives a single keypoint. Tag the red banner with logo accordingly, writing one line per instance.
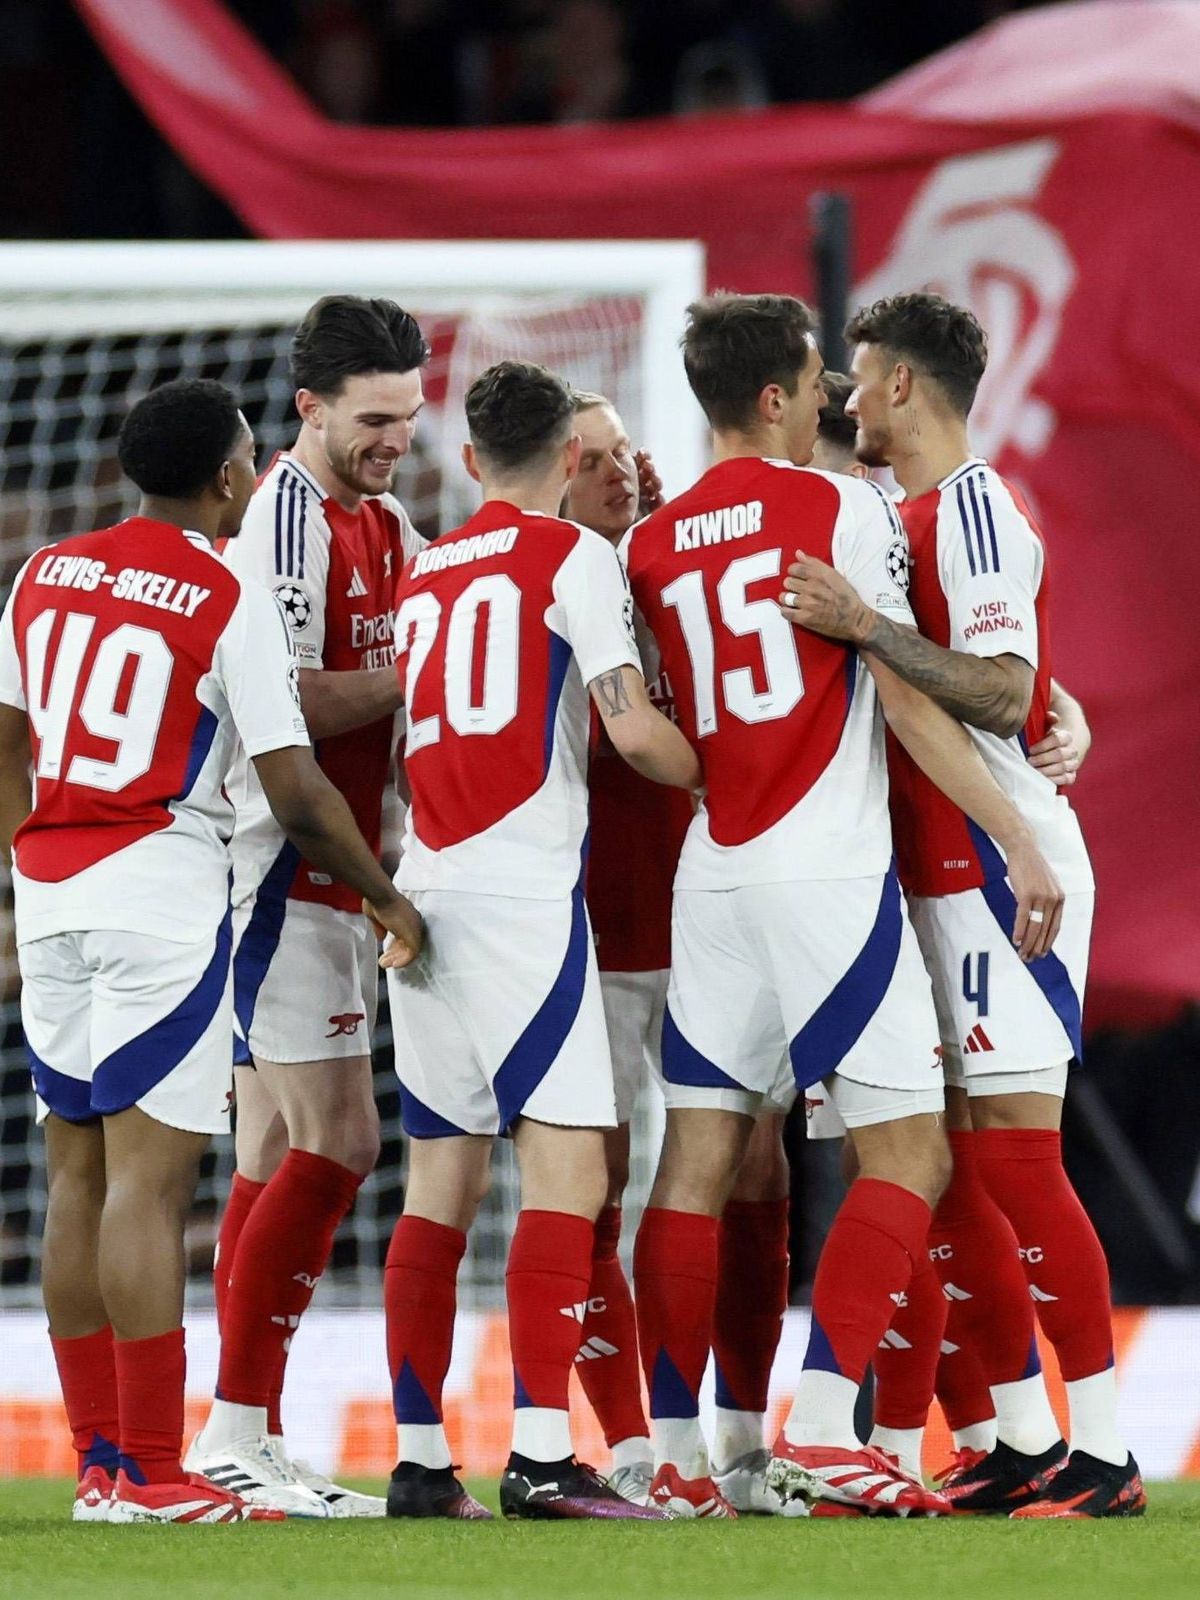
(1074, 237)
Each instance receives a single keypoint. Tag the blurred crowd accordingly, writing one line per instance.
(97, 169)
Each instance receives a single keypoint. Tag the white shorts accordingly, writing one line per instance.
(500, 1018)
(825, 977)
(633, 1010)
(114, 1020)
(1006, 1027)
(305, 979)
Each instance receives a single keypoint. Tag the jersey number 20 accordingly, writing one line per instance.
(776, 636)
(417, 624)
(133, 728)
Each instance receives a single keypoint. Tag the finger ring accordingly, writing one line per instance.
(789, 598)
(1037, 916)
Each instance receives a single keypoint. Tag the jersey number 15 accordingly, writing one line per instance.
(741, 617)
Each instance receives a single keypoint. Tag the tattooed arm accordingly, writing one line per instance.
(992, 693)
(650, 743)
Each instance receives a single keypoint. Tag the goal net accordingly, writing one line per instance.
(87, 329)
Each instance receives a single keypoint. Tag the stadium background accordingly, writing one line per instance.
(1046, 170)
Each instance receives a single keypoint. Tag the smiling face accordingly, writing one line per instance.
(603, 495)
(366, 428)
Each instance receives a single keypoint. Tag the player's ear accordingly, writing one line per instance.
(859, 469)
(308, 405)
(572, 451)
(902, 383)
(770, 406)
(222, 484)
(470, 462)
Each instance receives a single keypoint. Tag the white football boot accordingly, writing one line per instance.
(339, 1502)
(256, 1469)
(744, 1484)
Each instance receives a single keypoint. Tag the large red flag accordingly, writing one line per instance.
(1072, 227)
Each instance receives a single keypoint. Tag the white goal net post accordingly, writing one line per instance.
(86, 329)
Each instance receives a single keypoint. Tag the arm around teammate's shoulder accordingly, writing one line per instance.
(640, 733)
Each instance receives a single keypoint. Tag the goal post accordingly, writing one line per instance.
(85, 329)
(606, 314)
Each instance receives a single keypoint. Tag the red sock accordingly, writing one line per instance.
(88, 1376)
(675, 1283)
(608, 1352)
(281, 1254)
(1062, 1257)
(549, 1268)
(752, 1296)
(974, 1249)
(907, 1358)
(420, 1297)
(877, 1237)
(150, 1374)
(961, 1386)
(243, 1192)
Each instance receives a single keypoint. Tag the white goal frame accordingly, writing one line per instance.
(57, 289)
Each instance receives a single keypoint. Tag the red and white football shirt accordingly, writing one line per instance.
(637, 831)
(334, 574)
(141, 660)
(786, 722)
(979, 584)
(500, 626)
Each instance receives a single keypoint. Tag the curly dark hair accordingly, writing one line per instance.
(344, 335)
(175, 439)
(518, 412)
(942, 341)
(736, 344)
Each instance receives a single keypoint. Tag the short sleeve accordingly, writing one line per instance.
(990, 562)
(870, 549)
(12, 689)
(284, 545)
(257, 666)
(597, 607)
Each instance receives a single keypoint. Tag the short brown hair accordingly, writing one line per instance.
(943, 341)
(833, 425)
(516, 412)
(736, 344)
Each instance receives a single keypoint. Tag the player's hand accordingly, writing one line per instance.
(401, 919)
(1039, 900)
(650, 487)
(815, 596)
(1058, 755)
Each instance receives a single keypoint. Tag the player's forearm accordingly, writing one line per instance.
(320, 824)
(945, 752)
(657, 749)
(16, 802)
(337, 702)
(976, 690)
(16, 791)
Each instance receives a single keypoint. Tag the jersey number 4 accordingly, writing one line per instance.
(741, 617)
(480, 695)
(113, 706)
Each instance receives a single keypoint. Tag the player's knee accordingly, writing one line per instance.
(360, 1150)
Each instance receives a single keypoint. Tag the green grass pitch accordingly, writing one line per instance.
(43, 1556)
